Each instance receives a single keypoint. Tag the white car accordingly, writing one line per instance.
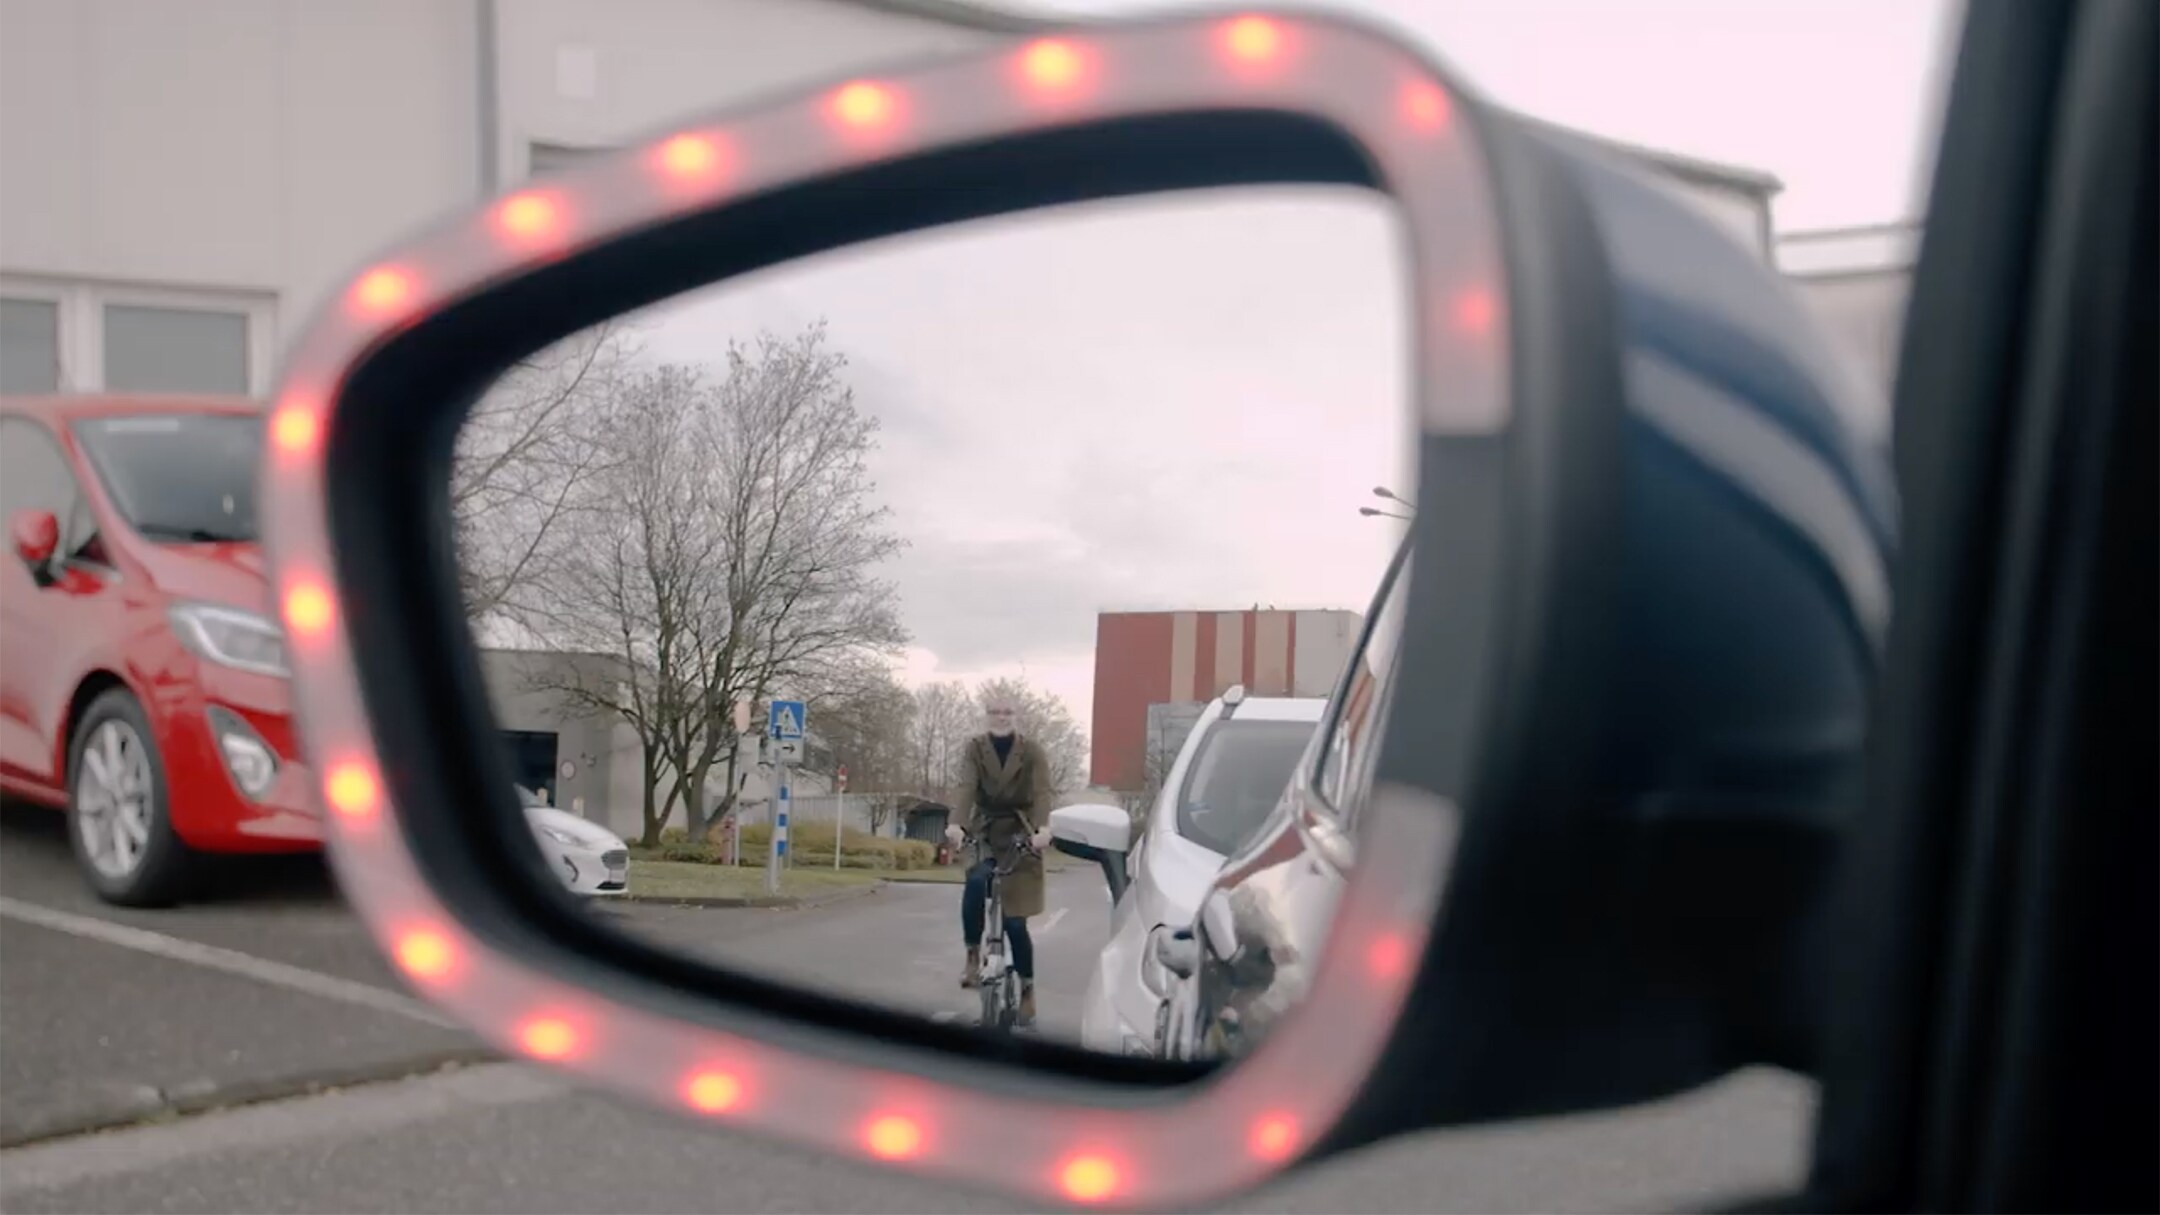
(590, 858)
(1226, 780)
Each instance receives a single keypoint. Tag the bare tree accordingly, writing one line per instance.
(728, 554)
(945, 716)
(525, 457)
(867, 729)
(1048, 721)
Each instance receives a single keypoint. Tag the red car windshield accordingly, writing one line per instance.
(179, 478)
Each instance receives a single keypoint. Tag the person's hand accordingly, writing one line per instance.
(953, 835)
(1041, 840)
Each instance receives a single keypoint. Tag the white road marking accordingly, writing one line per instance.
(230, 961)
(1049, 922)
(348, 1115)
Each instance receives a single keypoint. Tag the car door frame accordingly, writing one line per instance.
(28, 701)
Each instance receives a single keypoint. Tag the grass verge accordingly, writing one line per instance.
(688, 879)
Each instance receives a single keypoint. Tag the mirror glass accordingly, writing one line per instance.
(1032, 549)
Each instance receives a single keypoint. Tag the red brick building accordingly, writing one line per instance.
(1174, 658)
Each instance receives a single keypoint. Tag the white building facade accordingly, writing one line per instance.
(1857, 281)
(181, 183)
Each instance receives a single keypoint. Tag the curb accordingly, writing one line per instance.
(202, 1096)
(784, 902)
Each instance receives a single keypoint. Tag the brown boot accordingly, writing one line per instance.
(972, 976)
(1027, 1003)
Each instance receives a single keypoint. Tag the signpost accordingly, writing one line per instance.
(784, 725)
(839, 818)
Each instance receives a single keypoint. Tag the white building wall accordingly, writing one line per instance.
(250, 152)
(1856, 282)
(598, 73)
(245, 156)
(1742, 212)
(1324, 640)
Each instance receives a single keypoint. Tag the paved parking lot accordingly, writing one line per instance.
(273, 989)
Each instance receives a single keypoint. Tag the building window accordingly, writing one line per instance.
(149, 349)
(545, 158)
(29, 345)
(62, 336)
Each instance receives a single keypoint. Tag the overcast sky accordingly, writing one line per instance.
(1183, 404)
(1838, 98)
(1158, 403)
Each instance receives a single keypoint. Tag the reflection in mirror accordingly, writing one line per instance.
(935, 621)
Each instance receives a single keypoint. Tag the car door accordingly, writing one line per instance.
(42, 618)
(1268, 917)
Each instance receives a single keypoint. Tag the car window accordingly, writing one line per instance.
(1236, 777)
(1344, 768)
(34, 475)
(179, 478)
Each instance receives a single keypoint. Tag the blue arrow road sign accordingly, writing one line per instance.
(786, 722)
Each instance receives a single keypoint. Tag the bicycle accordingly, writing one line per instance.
(999, 985)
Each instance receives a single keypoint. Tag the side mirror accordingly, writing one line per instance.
(1219, 921)
(1098, 833)
(1633, 472)
(36, 537)
(1178, 952)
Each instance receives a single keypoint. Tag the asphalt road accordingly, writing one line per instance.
(899, 947)
(274, 984)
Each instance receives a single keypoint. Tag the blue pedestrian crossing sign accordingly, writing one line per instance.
(786, 722)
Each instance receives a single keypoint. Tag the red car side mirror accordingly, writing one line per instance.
(35, 535)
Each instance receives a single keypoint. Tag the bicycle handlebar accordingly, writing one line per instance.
(1026, 848)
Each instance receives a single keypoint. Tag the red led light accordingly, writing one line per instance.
(1089, 1178)
(383, 290)
(1424, 106)
(294, 429)
(547, 1038)
(1252, 40)
(690, 157)
(863, 105)
(1388, 956)
(425, 954)
(351, 790)
(1474, 312)
(893, 1137)
(1274, 1137)
(530, 218)
(308, 609)
(712, 1091)
(1052, 65)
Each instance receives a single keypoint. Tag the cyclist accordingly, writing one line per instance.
(1004, 802)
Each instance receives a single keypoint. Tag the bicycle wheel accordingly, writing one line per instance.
(993, 998)
(1009, 1000)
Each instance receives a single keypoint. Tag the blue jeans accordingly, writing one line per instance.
(974, 906)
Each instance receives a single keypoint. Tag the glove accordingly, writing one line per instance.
(1041, 840)
(954, 835)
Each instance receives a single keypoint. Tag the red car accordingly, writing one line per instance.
(143, 684)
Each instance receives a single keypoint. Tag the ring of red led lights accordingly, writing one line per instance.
(1190, 1144)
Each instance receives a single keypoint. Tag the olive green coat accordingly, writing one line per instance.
(1004, 803)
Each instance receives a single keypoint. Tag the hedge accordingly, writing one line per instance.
(810, 841)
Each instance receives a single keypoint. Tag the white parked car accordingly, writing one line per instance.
(590, 858)
(1226, 780)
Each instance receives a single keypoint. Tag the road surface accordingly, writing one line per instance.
(274, 985)
(899, 947)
